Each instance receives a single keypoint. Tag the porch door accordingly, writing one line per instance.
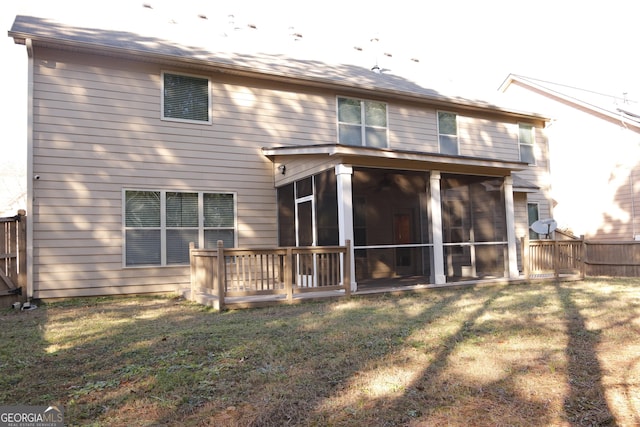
(305, 236)
(402, 233)
(458, 232)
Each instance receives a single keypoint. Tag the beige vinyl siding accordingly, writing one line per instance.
(412, 128)
(98, 131)
(537, 174)
(299, 167)
(487, 138)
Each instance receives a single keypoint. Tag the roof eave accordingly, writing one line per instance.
(431, 159)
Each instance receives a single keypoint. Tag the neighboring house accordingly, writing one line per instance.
(139, 146)
(594, 141)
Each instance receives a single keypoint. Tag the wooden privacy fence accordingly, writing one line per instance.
(13, 254)
(581, 257)
(231, 272)
(619, 258)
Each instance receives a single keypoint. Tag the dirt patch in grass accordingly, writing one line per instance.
(534, 355)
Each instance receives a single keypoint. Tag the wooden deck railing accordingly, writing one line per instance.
(237, 272)
(553, 256)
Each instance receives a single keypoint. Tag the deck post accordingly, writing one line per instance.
(288, 275)
(221, 277)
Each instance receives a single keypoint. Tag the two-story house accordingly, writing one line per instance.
(138, 146)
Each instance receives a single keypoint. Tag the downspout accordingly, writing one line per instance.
(30, 178)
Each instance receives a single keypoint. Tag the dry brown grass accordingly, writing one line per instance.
(528, 355)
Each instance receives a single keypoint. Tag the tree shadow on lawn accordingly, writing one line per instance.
(586, 403)
(443, 395)
(447, 395)
(167, 362)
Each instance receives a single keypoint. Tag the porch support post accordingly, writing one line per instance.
(512, 251)
(345, 215)
(435, 206)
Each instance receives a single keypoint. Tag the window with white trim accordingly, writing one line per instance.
(186, 98)
(362, 123)
(526, 142)
(448, 133)
(159, 225)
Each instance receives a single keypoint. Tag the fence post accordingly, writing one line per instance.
(221, 276)
(21, 235)
(288, 274)
(525, 255)
(347, 269)
(556, 257)
(583, 258)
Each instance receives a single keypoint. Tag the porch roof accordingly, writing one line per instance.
(399, 159)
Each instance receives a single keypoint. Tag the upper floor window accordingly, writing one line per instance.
(526, 141)
(448, 133)
(159, 225)
(185, 98)
(362, 123)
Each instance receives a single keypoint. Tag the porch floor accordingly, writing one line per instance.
(366, 287)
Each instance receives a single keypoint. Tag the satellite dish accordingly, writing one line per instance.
(544, 226)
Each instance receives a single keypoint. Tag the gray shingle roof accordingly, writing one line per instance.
(272, 66)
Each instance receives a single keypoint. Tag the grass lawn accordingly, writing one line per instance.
(563, 354)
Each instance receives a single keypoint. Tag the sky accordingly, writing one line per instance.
(464, 47)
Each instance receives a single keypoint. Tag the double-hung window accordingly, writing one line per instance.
(159, 225)
(526, 141)
(448, 133)
(362, 123)
(186, 98)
